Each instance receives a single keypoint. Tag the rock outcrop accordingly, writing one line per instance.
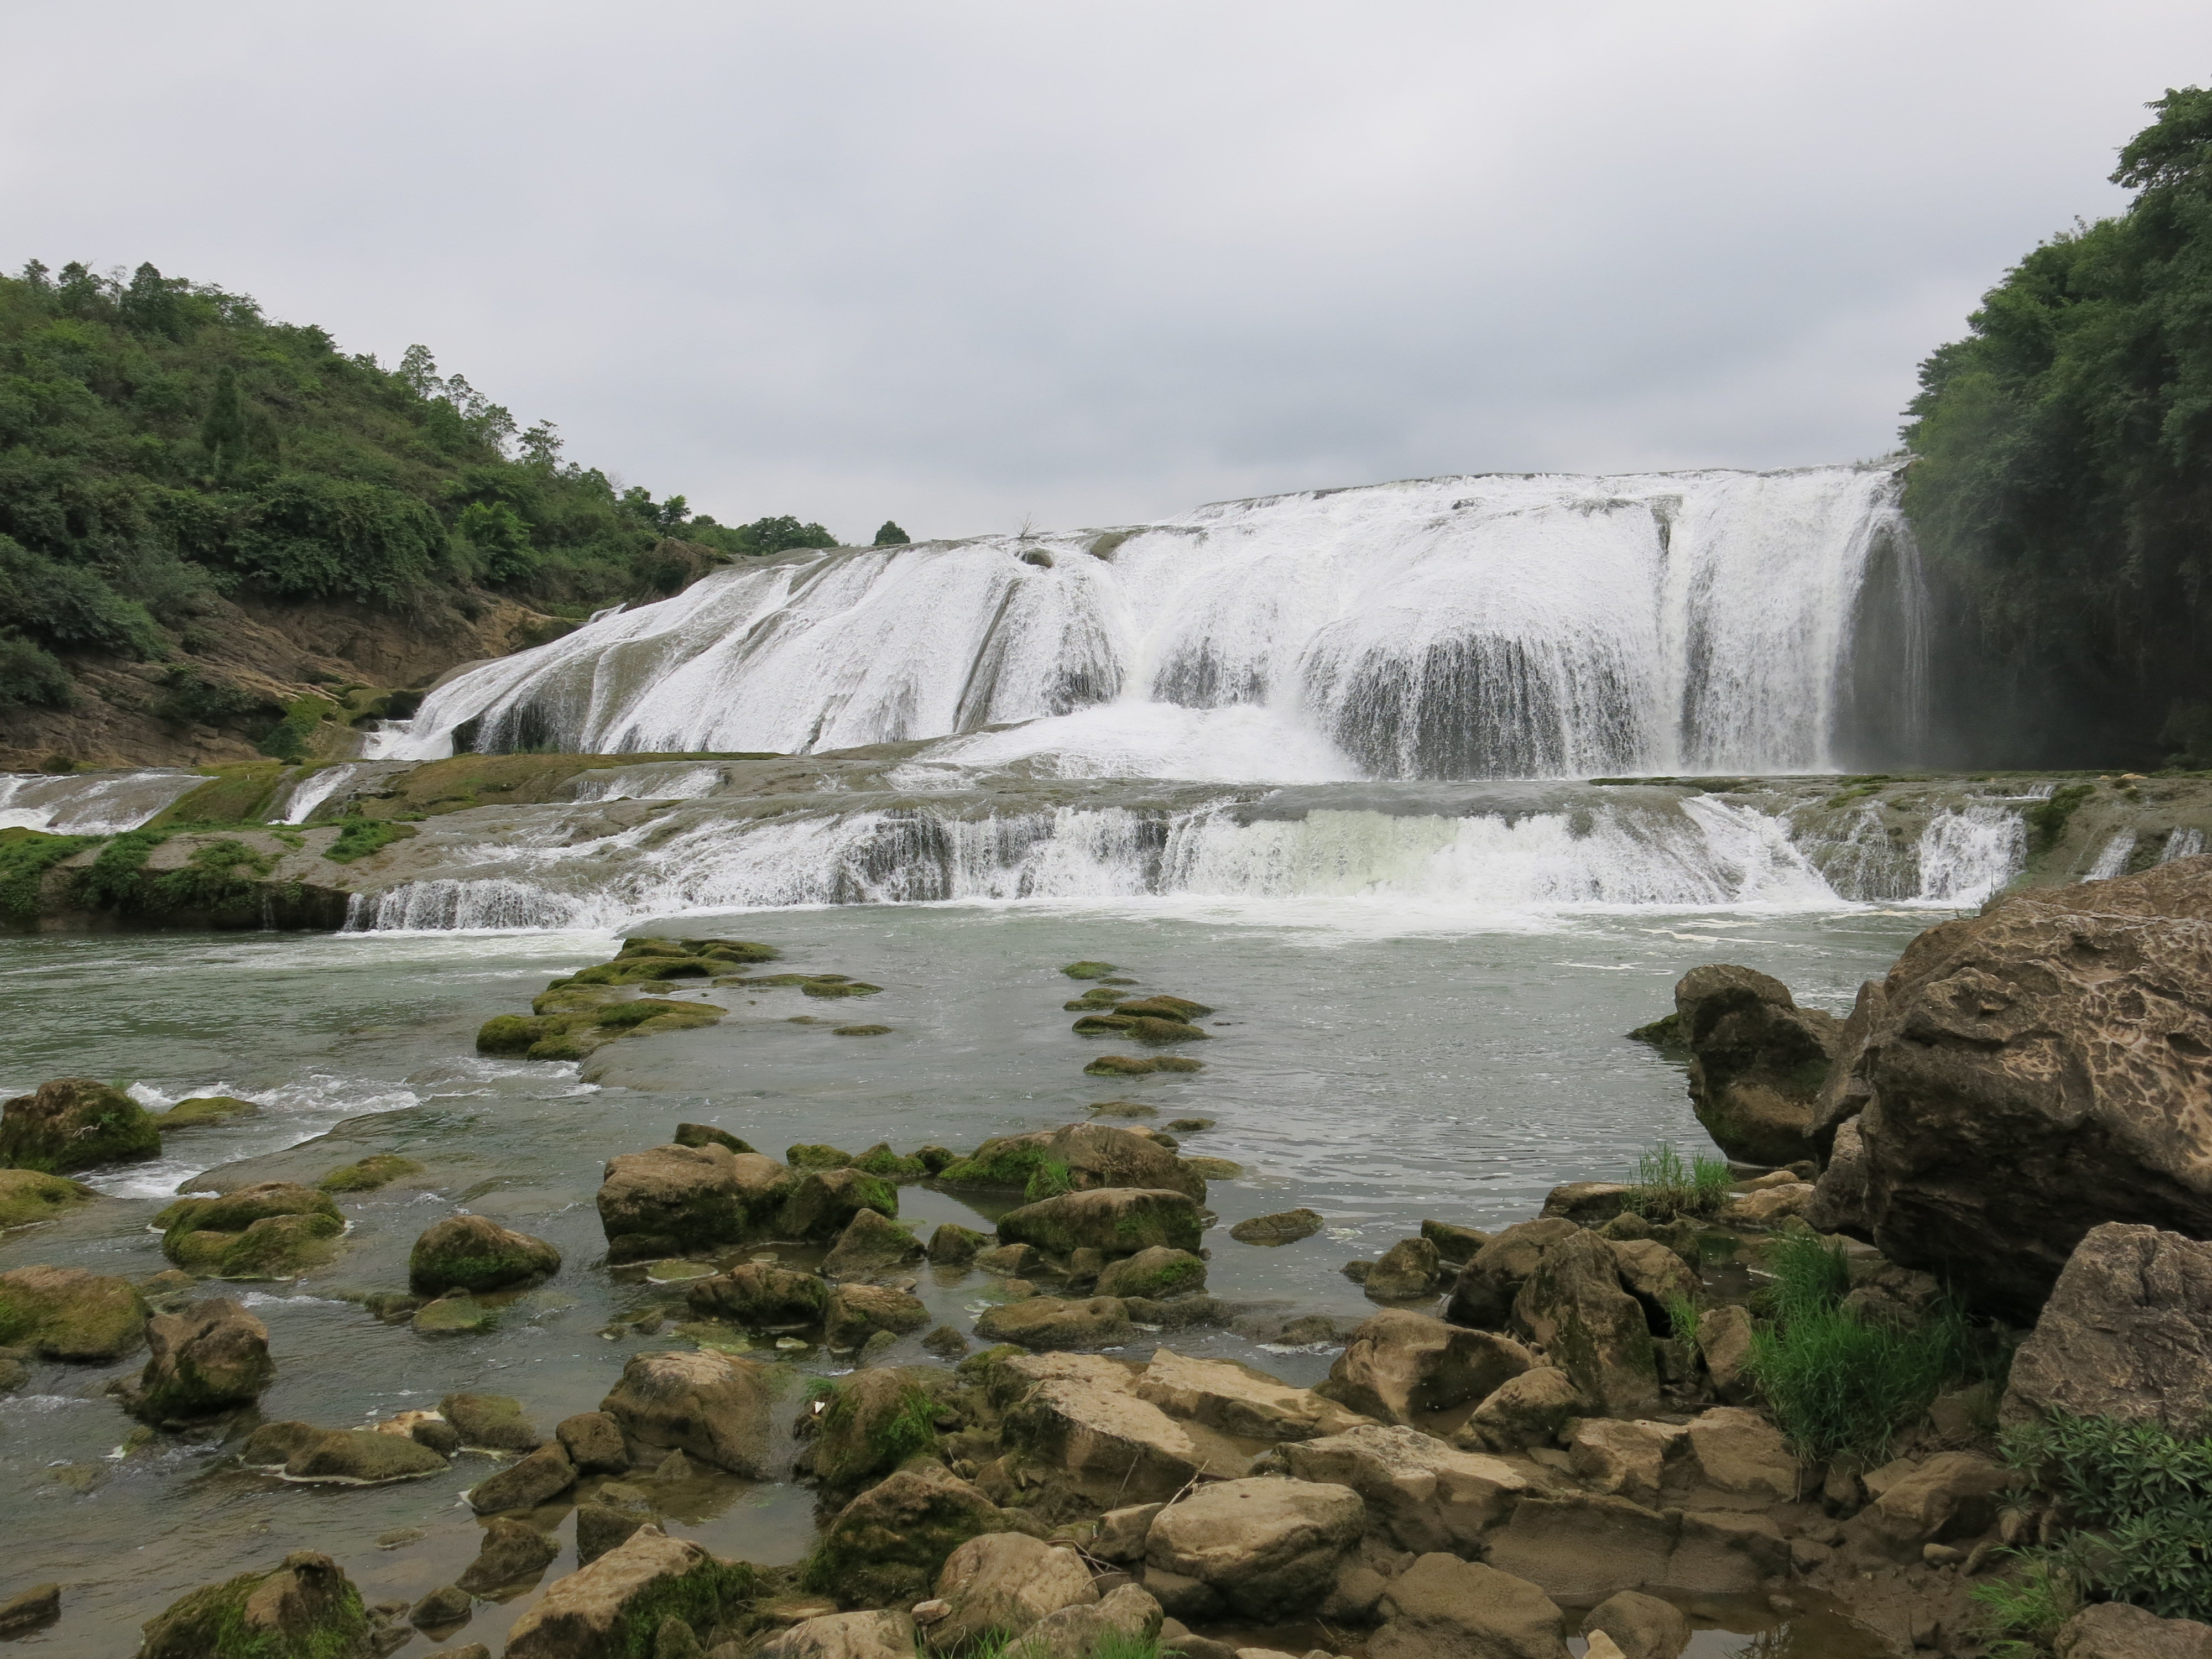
(208, 1358)
(672, 1199)
(2126, 1334)
(1442, 1607)
(1400, 1364)
(1757, 1061)
(1267, 1548)
(71, 1313)
(473, 1253)
(617, 1603)
(75, 1123)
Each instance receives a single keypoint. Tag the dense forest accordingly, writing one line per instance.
(164, 446)
(2061, 484)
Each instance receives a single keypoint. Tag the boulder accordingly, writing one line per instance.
(1046, 1321)
(2114, 1630)
(1091, 1156)
(1590, 1327)
(1091, 1426)
(670, 1199)
(355, 1457)
(1581, 1547)
(885, 1635)
(1951, 1495)
(306, 1605)
(542, 1476)
(75, 1123)
(208, 1357)
(870, 1243)
(29, 1195)
(1642, 1627)
(1268, 1547)
(713, 1405)
(1115, 1221)
(1442, 1607)
(873, 1421)
(1125, 1619)
(594, 1440)
(71, 1313)
(2037, 1070)
(617, 1604)
(1482, 1295)
(1399, 1363)
(511, 1552)
(856, 1312)
(1626, 1458)
(1005, 1582)
(473, 1253)
(1523, 1410)
(490, 1422)
(1238, 1399)
(445, 1609)
(889, 1544)
(1757, 1060)
(1724, 1340)
(601, 1527)
(27, 1610)
(271, 1230)
(1408, 1269)
(1586, 1203)
(1456, 1245)
(1838, 1203)
(1156, 1272)
(824, 1203)
(1737, 1451)
(1770, 1208)
(955, 1246)
(2127, 1333)
(760, 1293)
(1655, 1276)
(1419, 1491)
(1283, 1227)
(1118, 1535)
(706, 1135)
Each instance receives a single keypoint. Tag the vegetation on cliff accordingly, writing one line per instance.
(2063, 480)
(163, 444)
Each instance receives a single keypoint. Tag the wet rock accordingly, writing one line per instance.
(1455, 1244)
(1115, 1221)
(1950, 1495)
(1585, 1203)
(1628, 1458)
(827, 987)
(1581, 1547)
(1483, 1295)
(856, 1312)
(1642, 1627)
(1157, 1273)
(1089, 969)
(441, 1610)
(1770, 1208)
(615, 1605)
(1401, 1362)
(889, 1544)
(474, 1253)
(601, 1527)
(1118, 1534)
(1080, 1414)
(1122, 1108)
(70, 1314)
(713, 1405)
(1724, 1340)
(1005, 1582)
(1127, 1617)
(1655, 1277)
(342, 1457)
(1268, 1547)
(1442, 1607)
(870, 1243)
(1737, 1451)
(272, 1230)
(1139, 1066)
(1046, 1321)
(1283, 1227)
(1013, 1260)
(75, 1123)
(872, 1422)
(824, 1203)
(367, 1175)
(458, 1315)
(885, 1635)
(511, 1552)
(1838, 1203)
(28, 1610)
(1084, 1156)
(945, 1342)
(1408, 1269)
(2114, 1629)
(706, 1135)
(29, 1195)
(594, 1440)
(1590, 1327)
(2127, 1333)
(760, 1293)
(1424, 1495)
(1522, 1412)
(955, 1246)
(304, 1607)
(490, 1422)
(1238, 1399)
(544, 1474)
(812, 1156)
(671, 1199)
(1757, 1060)
(207, 1357)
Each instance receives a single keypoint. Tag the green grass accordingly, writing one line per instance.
(26, 855)
(1682, 1318)
(1049, 1179)
(2026, 1611)
(1664, 1187)
(359, 837)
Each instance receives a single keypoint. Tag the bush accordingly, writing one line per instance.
(191, 701)
(31, 678)
(1664, 1187)
(26, 855)
(892, 536)
(308, 536)
(288, 740)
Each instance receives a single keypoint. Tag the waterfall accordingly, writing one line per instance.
(90, 804)
(1530, 626)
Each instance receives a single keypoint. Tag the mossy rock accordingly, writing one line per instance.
(823, 1202)
(1214, 1169)
(955, 1246)
(1096, 1001)
(70, 1314)
(562, 1045)
(490, 1422)
(202, 1110)
(783, 982)
(873, 1421)
(1282, 1227)
(1004, 1161)
(1182, 1010)
(30, 1195)
(1666, 1035)
(458, 1315)
(274, 1230)
(1121, 1066)
(760, 1293)
(706, 1135)
(1101, 1025)
(860, 1030)
(236, 1210)
(368, 1174)
(306, 1609)
(278, 1247)
(1177, 1063)
(812, 1156)
(512, 1034)
(475, 1253)
(1116, 1221)
(886, 1547)
(662, 1015)
(1157, 1273)
(848, 987)
(1088, 969)
(1145, 1029)
(881, 1160)
(564, 999)
(75, 1123)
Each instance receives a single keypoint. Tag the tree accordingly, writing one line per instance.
(780, 535)
(892, 536)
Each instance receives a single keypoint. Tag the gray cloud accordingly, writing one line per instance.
(963, 263)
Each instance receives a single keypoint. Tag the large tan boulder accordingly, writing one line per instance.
(1115, 1221)
(2126, 1334)
(887, 1634)
(1522, 1412)
(669, 1200)
(616, 1603)
(1932, 1501)
(1442, 1607)
(711, 1405)
(1739, 1451)
(887, 1546)
(1757, 1060)
(1641, 1627)
(1268, 1547)
(2031, 1072)
(1589, 1327)
(1125, 1618)
(1422, 1494)
(1238, 1399)
(1482, 1294)
(2114, 1630)
(1400, 1364)
(1006, 1581)
(1627, 1458)
(1106, 1440)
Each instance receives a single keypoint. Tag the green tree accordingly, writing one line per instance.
(892, 536)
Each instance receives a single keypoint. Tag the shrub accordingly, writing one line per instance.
(288, 740)
(892, 536)
(1664, 1187)
(30, 677)
(26, 855)
(2047, 819)
(359, 837)
(191, 701)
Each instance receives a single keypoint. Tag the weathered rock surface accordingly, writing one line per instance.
(71, 1313)
(306, 1605)
(2126, 1334)
(271, 1230)
(871, 1242)
(713, 1405)
(1268, 1547)
(614, 1605)
(1582, 1548)
(1642, 1627)
(1006, 1582)
(75, 1123)
(1757, 1060)
(1739, 1451)
(884, 1635)
(1422, 1494)
(473, 1253)
(1047, 1322)
(856, 1312)
(1155, 1271)
(1590, 1327)
(760, 1293)
(1115, 1221)
(2037, 1070)
(1093, 1426)
(511, 1552)
(341, 1457)
(1523, 1410)
(2114, 1630)
(1094, 1156)
(1283, 1227)
(490, 1422)
(1442, 1607)
(1239, 1399)
(1627, 1458)
(1724, 1340)
(206, 1358)
(538, 1479)
(1399, 1363)
(669, 1200)
(29, 1195)
(875, 1419)
(1482, 1295)
(1933, 1501)
(594, 1440)
(888, 1546)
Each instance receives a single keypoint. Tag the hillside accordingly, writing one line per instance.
(221, 533)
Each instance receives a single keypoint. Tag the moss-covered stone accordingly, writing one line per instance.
(824, 1201)
(1148, 1029)
(367, 1175)
(873, 1421)
(955, 1246)
(562, 1045)
(1096, 1001)
(1116, 1221)
(513, 1034)
(475, 1253)
(1182, 1010)
(564, 999)
(458, 1315)
(1214, 1169)
(1157, 1273)
(490, 1422)
(814, 1156)
(886, 1547)
(236, 1210)
(1088, 969)
(881, 1160)
(706, 1135)
(70, 1314)
(210, 1357)
(860, 1030)
(848, 987)
(869, 1243)
(75, 1123)
(202, 1110)
(760, 1293)
(634, 1601)
(1120, 1066)
(306, 1609)
(656, 1014)
(29, 1196)
(280, 1247)
(273, 1229)
(1048, 1323)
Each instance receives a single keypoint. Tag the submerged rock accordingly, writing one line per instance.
(544, 1474)
(1115, 1221)
(1757, 1060)
(75, 1123)
(490, 1422)
(1140, 1066)
(343, 1456)
(1089, 969)
(1156, 1272)
(70, 1314)
(1283, 1227)
(474, 1253)
(30, 1195)
(760, 1293)
(377, 1169)
(210, 1357)
(204, 1110)
(307, 1608)
(271, 1230)
(670, 1200)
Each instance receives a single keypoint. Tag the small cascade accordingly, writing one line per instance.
(1968, 852)
(90, 803)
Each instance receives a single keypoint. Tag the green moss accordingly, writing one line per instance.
(280, 1247)
(202, 1110)
(233, 794)
(842, 987)
(1049, 1179)
(512, 1034)
(210, 1624)
(871, 1426)
(881, 1160)
(29, 1195)
(1664, 1034)
(379, 1169)
(26, 855)
(359, 837)
(712, 1593)
(210, 878)
(2047, 819)
(999, 1161)
(1088, 969)
(101, 1126)
(807, 1156)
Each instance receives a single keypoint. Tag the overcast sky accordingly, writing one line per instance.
(970, 263)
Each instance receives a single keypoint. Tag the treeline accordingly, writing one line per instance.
(163, 445)
(2061, 484)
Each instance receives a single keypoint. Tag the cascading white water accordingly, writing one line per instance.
(90, 804)
(1491, 626)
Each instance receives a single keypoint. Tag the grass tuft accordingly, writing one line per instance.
(1665, 1187)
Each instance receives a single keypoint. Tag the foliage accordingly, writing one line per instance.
(209, 879)
(30, 676)
(359, 837)
(892, 536)
(26, 855)
(189, 700)
(2047, 819)
(2060, 482)
(1664, 1187)
(288, 740)
(1682, 1318)
(1049, 1179)
(2027, 1610)
(1841, 1385)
